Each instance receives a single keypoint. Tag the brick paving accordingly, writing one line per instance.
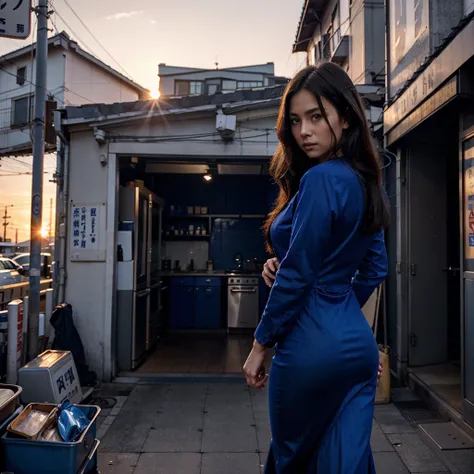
(222, 427)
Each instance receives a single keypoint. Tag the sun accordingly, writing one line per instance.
(155, 94)
(44, 232)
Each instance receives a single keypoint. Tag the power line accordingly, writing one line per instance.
(29, 82)
(56, 12)
(96, 39)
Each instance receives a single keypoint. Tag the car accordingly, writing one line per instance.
(24, 260)
(9, 274)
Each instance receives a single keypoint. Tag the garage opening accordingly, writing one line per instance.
(190, 254)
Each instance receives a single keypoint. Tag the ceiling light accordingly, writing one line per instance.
(207, 177)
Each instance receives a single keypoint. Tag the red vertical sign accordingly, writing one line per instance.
(19, 344)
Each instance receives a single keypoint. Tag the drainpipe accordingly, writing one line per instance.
(59, 190)
(62, 225)
(387, 51)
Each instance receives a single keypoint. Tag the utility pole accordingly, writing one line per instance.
(6, 223)
(37, 185)
(16, 236)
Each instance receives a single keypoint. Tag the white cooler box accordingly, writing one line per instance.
(50, 378)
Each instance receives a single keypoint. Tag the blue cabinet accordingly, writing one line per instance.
(207, 306)
(181, 303)
(207, 303)
(195, 303)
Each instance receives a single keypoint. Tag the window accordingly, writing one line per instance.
(249, 84)
(8, 265)
(183, 88)
(22, 111)
(229, 85)
(21, 76)
(23, 260)
(195, 87)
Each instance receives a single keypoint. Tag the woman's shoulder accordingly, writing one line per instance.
(337, 172)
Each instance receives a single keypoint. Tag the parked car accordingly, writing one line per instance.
(9, 272)
(24, 260)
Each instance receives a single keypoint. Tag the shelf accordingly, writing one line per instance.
(217, 216)
(190, 216)
(186, 237)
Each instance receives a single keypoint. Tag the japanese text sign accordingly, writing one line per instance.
(15, 18)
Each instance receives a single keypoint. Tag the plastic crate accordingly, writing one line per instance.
(23, 456)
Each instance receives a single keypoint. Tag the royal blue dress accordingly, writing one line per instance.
(324, 373)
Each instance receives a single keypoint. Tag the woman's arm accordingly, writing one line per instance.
(372, 270)
(310, 237)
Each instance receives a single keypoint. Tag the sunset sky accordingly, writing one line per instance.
(134, 37)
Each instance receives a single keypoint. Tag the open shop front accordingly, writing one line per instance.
(191, 253)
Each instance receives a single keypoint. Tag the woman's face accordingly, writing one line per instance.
(310, 130)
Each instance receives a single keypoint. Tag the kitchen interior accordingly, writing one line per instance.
(190, 252)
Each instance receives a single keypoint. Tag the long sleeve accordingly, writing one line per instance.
(313, 219)
(372, 270)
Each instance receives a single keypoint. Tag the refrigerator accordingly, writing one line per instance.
(138, 256)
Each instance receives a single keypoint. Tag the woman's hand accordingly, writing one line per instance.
(254, 368)
(269, 271)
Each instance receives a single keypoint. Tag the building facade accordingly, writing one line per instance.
(429, 132)
(74, 77)
(167, 145)
(347, 32)
(187, 81)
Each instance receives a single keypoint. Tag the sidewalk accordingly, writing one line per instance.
(222, 428)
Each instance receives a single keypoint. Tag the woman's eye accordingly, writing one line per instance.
(295, 121)
(316, 116)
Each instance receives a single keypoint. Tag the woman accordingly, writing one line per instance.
(327, 233)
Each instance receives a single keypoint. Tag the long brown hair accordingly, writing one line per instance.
(290, 163)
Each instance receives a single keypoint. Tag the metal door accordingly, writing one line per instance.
(427, 291)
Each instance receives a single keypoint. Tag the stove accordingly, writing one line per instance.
(242, 302)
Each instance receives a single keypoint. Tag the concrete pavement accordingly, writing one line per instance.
(220, 426)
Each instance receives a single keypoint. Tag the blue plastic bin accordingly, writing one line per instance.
(23, 456)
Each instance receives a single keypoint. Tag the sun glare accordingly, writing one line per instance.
(155, 95)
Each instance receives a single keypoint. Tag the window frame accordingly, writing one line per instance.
(14, 100)
(21, 79)
(189, 87)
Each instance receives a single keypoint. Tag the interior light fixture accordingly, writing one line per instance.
(207, 177)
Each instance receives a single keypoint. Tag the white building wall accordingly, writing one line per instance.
(71, 79)
(10, 90)
(357, 60)
(88, 83)
(86, 282)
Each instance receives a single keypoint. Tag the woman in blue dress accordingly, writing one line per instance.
(326, 232)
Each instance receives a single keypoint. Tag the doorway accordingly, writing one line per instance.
(434, 278)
